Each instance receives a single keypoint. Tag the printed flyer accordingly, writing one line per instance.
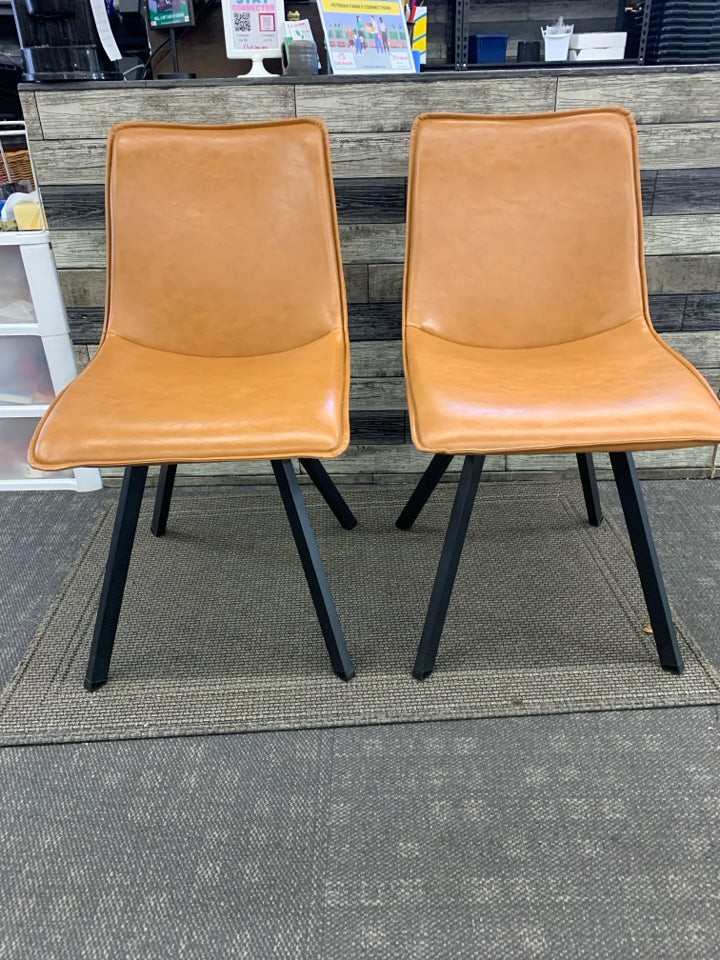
(366, 36)
(253, 25)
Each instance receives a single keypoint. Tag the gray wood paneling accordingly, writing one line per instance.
(377, 154)
(675, 145)
(671, 313)
(378, 393)
(353, 155)
(92, 112)
(81, 288)
(75, 206)
(653, 96)
(69, 161)
(667, 311)
(375, 321)
(390, 106)
(701, 349)
(682, 234)
(702, 312)
(382, 200)
(648, 179)
(359, 242)
(86, 287)
(369, 200)
(713, 378)
(367, 321)
(679, 132)
(379, 426)
(385, 242)
(76, 249)
(385, 281)
(378, 358)
(356, 282)
(691, 457)
(687, 191)
(86, 323)
(684, 274)
(368, 460)
(30, 115)
(381, 242)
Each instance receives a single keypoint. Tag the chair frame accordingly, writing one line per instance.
(123, 538)
(636, 518)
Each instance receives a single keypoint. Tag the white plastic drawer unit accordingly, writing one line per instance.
(24, 373)
(36, 354)
(15, 299)
(15, 435)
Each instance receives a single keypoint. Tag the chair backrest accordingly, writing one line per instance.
(222, 240)
(524, 231)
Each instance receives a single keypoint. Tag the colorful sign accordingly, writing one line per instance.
(170, 13)
(253, 25)
(366, 36)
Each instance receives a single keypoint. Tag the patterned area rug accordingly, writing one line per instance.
(218, 633)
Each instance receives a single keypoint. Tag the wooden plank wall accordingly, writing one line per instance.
(678, 111)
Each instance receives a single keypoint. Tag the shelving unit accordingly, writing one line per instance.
(36, 359)
(458, 30)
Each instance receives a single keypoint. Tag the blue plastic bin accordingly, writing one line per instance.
(487, 47)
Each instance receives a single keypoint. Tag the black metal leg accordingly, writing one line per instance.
(314, 571)
(166, 482)
(590, 488)
(422, 492)
(647, 562)
(447, 568)
(116, 572)
(330, 493)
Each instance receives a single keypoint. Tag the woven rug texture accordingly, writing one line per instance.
(218, 633)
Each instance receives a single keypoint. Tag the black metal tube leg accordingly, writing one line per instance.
(647, 562)
(330, 493)
(447, 568)
(116, 572)
(590, 488)
(166, 482)
(314, 571)
(422, 492)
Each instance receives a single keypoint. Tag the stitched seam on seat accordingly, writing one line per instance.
(544, 346)
(224, 356)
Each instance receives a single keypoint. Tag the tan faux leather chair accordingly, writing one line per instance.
(526, 322)
(225, 334)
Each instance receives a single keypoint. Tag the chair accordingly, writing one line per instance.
(526, 326)
(225, 336)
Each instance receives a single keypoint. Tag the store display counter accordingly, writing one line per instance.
(369, 119)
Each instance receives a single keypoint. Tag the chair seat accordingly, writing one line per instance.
(138, 405)
(623, 389)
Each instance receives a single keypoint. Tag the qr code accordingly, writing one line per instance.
(241, 21)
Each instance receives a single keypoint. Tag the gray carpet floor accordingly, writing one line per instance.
(555, 837)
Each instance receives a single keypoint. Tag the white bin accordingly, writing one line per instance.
(556, 46)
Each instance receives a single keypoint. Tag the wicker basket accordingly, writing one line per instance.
(19, 166)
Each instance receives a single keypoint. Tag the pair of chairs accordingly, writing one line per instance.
(526, 328)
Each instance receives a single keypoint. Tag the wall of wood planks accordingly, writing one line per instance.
(678, 112)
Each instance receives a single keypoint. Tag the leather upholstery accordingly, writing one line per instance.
(526, 322)
(226, 325)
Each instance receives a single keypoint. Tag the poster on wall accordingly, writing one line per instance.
(164, 14)
(366, 36)
(253, 25)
